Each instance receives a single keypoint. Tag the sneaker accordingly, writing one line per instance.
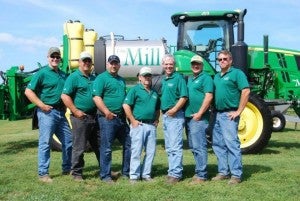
(108, 181)
(133, 181)
(234, 181)
(45, 179)
(148, 179)
(66, 173)
(197, 180)
(115, 175)
(220, 177)
(172, 180)
(77, 178)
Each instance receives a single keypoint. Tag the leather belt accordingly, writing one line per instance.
(59, 107)
(146, 121)
(227, 109)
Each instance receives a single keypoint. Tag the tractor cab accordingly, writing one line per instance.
(206, 33)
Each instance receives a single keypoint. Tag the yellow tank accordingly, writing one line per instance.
(89, 39)
(74, 31)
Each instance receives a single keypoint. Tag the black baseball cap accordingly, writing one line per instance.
(112, 58)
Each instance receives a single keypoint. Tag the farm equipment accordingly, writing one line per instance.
(273, 73)
(133, 54)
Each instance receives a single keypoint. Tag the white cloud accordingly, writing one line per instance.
(33, 42)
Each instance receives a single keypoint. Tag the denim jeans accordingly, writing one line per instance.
(52, 122)
(143, 136)
(173, 134)
(109, 131)
(83, 131)
(198, 145)
(226, 145)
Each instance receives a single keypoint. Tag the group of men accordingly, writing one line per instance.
(102, 111)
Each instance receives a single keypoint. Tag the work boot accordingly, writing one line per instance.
(172, 180)
(220, 177)
(234, 181)
(45, 179)
(197, 180)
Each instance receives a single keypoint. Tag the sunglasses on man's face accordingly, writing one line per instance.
(54, 57)
(87, 60)
(222, 59)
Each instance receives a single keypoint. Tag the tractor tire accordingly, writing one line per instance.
(55, 144)
(255, 127)
(278, 121)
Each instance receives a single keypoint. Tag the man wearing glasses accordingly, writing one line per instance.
(44, 90)
(77, 96)
(231, 96)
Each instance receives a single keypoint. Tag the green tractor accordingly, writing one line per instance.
(273, 73)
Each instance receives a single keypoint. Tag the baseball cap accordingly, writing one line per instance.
(145, 71)
(53, 50)
(197, 59)
(84, 55)
(112, 58)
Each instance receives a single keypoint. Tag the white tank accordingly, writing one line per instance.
(134, 54)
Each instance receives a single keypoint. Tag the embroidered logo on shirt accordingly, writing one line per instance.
(226, 78)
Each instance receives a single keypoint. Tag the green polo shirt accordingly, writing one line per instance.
(173, 88)
(111, 89)
(79, 88)
(197, 88)
(228, 88)
(144, 104)
(48, 85)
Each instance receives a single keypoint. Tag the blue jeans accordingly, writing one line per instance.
(226, 145)
(50, 123)
(198, 145)
(142, 136)
(173, 133)
(109, 131)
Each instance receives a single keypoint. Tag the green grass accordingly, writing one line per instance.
(274, 174)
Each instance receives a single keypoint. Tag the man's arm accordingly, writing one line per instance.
(130, 116)
(31, 95)
(70, 104)
(243, 101)
(205, 105)
(102, 107)
(180, 103)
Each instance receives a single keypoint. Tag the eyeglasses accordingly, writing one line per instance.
(54, 57)
(223, 59)
(87, 60)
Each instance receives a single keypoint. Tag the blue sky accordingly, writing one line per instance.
(30, 27)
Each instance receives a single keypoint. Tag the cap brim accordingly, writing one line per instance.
(144, 74)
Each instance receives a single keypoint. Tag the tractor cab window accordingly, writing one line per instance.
(205, 38)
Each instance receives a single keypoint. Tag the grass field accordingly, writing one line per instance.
(274, 174)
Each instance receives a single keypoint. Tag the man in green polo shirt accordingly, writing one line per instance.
(200, 88)
(77, 96)
(44, 90)
(141, 106)
(173, 98)
(109, 91)
(231, 96)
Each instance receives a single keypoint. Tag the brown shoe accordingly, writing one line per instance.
(197, 180)
(77, 178)
(45, 179)
(220, 177)
(234, 181)
(115, 175)
(172, 180)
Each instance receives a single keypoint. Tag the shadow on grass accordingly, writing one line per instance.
(279, 144)
(18, 146)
